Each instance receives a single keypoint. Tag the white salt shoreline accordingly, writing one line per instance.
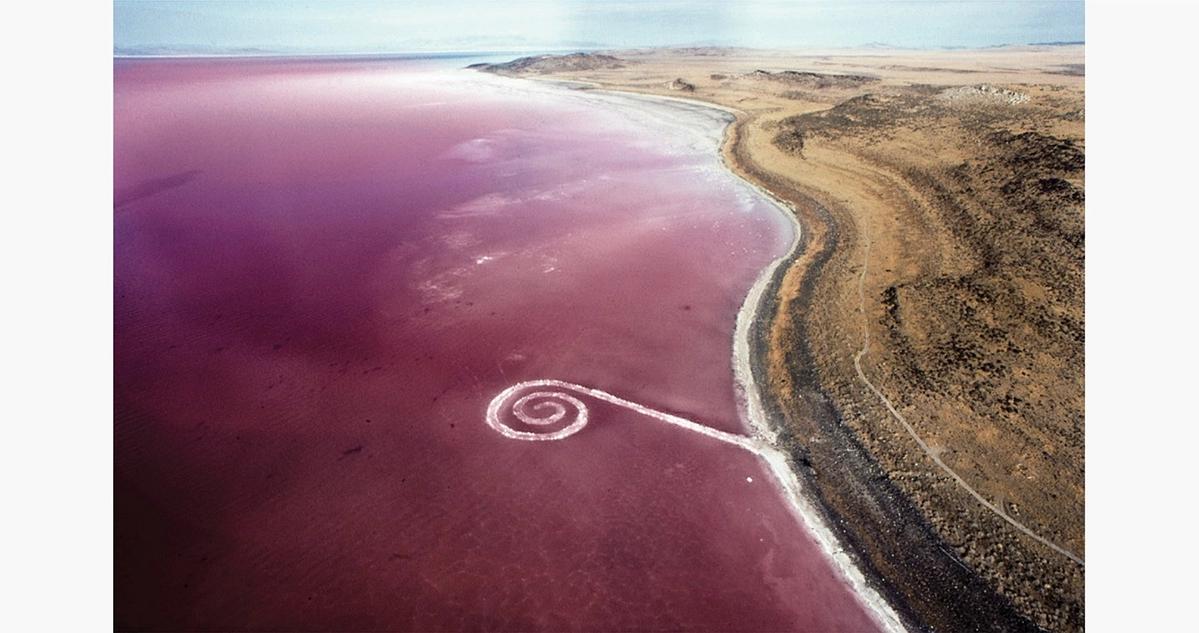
(749, 388)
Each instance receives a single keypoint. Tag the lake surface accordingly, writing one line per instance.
(324, 273)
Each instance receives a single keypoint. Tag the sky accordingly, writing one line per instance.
(362, 26)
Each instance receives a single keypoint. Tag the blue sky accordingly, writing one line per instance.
(459, 25)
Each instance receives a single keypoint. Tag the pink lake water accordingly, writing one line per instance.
(325, 271)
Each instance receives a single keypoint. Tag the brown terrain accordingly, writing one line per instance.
(922, 354)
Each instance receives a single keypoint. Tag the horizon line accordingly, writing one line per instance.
(243, 52)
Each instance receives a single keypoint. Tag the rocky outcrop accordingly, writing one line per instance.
(679, 84)
(817, 81)
(554, 63)
(982, 94)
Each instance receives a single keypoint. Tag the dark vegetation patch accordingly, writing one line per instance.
(1032, 153)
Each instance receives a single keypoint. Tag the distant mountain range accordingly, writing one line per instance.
(422, 49)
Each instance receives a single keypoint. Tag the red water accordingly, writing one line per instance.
(324, 273)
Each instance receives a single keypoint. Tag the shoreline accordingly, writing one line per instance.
(903, 562)
(751, 323)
